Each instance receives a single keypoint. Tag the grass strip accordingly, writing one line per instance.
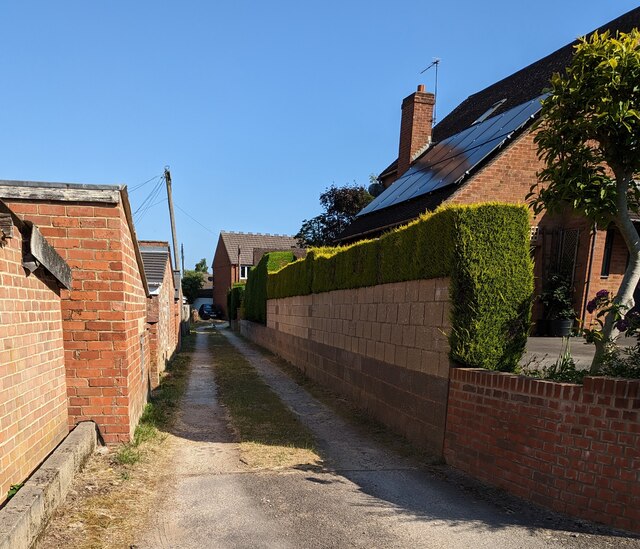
(159, 411)
(358, 418)
(269, 433)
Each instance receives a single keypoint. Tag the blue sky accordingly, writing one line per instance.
(257, 107)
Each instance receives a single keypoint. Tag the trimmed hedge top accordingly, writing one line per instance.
(255, 296)
(483, 248)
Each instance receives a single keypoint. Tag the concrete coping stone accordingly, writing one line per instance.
(24, 517)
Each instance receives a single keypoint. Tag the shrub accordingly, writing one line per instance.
(235, 297)
(491, 286)
(255, 294)
(484, 249)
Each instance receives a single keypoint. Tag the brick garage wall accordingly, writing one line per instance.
(383, 347)
(104, 314)
(574, 449)
(224, 275)
(33, 399)
(164, 330)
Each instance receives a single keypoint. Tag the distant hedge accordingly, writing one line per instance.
(255, 294)
(235, 297)
(483, 248)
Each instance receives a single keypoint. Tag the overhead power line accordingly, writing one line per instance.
(194, 219)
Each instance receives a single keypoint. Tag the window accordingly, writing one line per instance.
(608, 249)
(244, 271)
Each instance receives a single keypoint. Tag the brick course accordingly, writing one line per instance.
(33, 407)
(574, 449)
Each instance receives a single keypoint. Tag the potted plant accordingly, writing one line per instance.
(558, 305)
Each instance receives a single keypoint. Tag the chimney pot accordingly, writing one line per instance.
(420, 87)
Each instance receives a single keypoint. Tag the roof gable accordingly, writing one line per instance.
(155, 256)
(247, 242)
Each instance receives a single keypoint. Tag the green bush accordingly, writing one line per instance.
(255, 294)
(293, 279)
(484, 249)
(491, 286)
(235, 296)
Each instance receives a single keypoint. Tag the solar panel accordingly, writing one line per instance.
(447, 162)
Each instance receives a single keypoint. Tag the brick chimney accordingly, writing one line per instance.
(415, 127)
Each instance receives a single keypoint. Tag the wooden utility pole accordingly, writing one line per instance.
(182, 255)
(167, 178)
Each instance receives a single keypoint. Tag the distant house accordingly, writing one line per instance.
(163, 307)
(205, 294)
(234, 256)
(484, 151)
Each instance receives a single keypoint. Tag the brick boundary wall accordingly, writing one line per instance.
(572, 448)
(33, 391)
(383, 347)
(163, 330)
(104, 315)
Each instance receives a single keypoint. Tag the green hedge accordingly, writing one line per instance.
(483, 248)
(235, 296)
(491, 287)
(255, 295)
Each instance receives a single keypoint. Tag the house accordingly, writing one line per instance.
(33, 389)
(205, 294)
(234, 256)
(484, 151)
(163, 307)
(104, 313)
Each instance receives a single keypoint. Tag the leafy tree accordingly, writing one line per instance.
(341, 204)
(589, 140)
(193, 280)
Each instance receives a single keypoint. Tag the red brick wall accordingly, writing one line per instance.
(163, 332)
(575, 449)
(104, 314)
(223, 276)
(33, 403)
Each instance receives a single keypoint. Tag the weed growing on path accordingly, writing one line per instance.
(269, 433)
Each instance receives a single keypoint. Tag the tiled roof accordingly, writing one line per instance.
(155, 259)
(247, 242)
(516, 89)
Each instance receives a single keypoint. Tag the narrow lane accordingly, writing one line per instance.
(365, 496)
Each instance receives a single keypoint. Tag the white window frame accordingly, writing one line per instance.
(244, 270)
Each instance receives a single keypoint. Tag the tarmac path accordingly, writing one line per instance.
(365, 496)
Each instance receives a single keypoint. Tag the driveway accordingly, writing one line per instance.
(544, 351)
(364, 496)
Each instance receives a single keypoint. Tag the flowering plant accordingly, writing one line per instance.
(625, 321)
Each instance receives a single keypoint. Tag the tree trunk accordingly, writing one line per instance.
(631, 277)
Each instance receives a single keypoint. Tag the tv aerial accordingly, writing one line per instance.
(435, 63)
